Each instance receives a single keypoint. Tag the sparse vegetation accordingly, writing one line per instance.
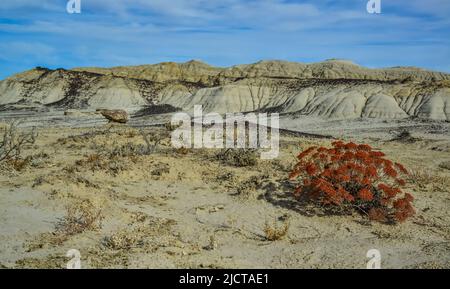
(238, 157)
(161, 169)
(274, 232)
(114, 158)
(141, 189)
(101, 162)
(429, 181)
(12, 144)
(122, 240)
(128, 150)
(152, 140)
(81, 216)
(139, 233)
(445, 165)
(85, 137)
(248, 188)
(183, 151)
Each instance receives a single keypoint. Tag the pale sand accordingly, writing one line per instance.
(175, 210)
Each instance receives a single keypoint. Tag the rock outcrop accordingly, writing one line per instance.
(331, 89)
(114, 115)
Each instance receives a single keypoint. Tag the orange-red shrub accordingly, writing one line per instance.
(354, 176)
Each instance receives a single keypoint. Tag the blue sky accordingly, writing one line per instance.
(222, 32)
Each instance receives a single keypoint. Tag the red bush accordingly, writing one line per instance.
(354, 176)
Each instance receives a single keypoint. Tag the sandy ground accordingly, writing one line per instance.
(189, 209)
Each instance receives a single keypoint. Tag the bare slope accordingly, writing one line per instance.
(332, 89)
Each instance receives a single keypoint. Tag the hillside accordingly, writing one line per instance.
(329, 89)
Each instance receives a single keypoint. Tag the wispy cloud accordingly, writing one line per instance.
(222, 32)
(15, 50)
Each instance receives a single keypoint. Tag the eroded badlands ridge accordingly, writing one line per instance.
(334, 89)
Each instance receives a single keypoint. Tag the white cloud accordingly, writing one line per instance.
(120, 32)
(10, 5)
(23, 50)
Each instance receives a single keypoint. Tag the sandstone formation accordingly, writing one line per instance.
(330, 89)
(114, 115)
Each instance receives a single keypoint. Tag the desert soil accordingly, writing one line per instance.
(87, 187)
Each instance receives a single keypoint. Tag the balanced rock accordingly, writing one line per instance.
(114, 115)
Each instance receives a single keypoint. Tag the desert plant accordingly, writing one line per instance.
(128, 150)
(102, 162)
(160, 169)
(248, 188)
(18, 164)
(122, 240)
(13, 142)
(152, 140)
(182, 151)
(238, 157)
(445, 165)
(353, 176)
(112, 158)
(81, 216)
(427, 180)
(273, 232)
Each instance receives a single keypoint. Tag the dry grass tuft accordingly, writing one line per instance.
(12, 144)
(183, 151)
(445, 165)
(238, 157)
(81, 216)
(273, 232)
(426, 180)
(123, 240)
(248, 188)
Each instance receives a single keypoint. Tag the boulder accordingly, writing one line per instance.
(114, 115)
